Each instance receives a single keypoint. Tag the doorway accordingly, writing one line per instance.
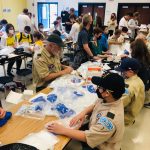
(47, 13)
(94, 9)
(142, 8)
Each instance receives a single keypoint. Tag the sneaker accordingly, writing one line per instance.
(147, 105)
(10, 74)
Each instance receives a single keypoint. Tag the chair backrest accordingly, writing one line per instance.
(17, 146)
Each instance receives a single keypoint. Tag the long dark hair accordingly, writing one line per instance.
(99, 22)
(114, 18)
(140, 52)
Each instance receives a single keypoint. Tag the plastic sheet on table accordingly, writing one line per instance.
(42, 140)
(67, 80)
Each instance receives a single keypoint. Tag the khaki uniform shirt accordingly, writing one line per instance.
(106, 126)
(43, 66)
(133, 100)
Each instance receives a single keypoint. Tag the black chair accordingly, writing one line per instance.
(7, 82)
(17, 146)
(24, 73)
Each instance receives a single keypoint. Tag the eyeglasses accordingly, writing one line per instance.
(101, 89)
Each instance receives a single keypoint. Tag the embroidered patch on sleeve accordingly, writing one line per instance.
(105, 122)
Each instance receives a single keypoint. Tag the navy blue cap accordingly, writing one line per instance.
(112, 82)
(129, 64)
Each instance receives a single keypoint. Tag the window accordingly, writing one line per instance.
(47, 13)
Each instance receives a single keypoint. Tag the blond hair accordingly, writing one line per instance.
(85, 21)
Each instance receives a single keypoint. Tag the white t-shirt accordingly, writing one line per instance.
(22, 21)
(112, 24)
(75, 29)
(123, 23)
(132, 24)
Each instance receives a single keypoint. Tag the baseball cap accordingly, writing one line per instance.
(112, 82)
(129, 64)
(55, 39)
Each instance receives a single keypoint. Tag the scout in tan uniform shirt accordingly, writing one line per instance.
(47, 66)
(106, 125)
(134, 98)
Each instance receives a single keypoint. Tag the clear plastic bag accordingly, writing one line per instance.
(39, 99)
(90, 88)
(63, 111)
(52, 98)
(32, 111)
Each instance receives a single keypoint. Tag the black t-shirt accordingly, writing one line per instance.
(68, 26)
(83, 38)
(64, 16)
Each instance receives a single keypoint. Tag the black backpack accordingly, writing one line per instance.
(27, 37)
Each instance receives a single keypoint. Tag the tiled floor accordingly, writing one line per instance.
(136, 137)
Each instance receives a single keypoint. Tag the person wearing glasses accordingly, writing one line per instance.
(47, 66)
(106, 125)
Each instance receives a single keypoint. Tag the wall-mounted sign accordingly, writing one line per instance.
(124, 6)
(84, 5)
(146, 7)
(6, 10)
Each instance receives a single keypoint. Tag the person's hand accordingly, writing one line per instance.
(96, 58)
(79, 119)
(15, 45)
(56, 128)
(67, 70)
(123, 56)
(2, 113)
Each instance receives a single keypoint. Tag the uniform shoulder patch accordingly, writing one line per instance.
(105, 122)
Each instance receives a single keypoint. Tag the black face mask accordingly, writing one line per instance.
(100, 95)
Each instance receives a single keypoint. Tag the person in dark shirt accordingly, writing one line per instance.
(94, 45)
(70, 22)
(64, 16)
(103, 42)
(84, 53)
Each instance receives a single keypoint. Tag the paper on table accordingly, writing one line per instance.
(6, 50)
(12, 55)
(14, 97)
(42, 140)
(106, 67)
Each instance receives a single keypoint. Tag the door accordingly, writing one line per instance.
(94, 9)
(123, 9)
(144, 11)
(142, 8)
(47, 13)
(99, 10)
(85, 9)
